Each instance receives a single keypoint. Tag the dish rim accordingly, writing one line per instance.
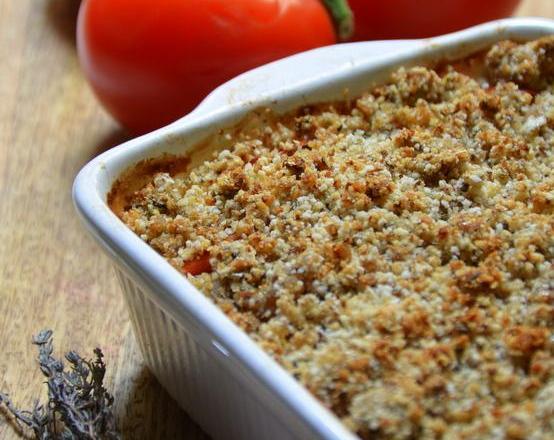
(173, 292)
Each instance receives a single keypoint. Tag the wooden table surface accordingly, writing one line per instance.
(51, 273)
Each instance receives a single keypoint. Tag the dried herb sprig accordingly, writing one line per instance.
(78, 408)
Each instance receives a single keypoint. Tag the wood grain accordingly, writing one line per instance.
(51, 273)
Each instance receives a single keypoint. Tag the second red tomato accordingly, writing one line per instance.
(384, 19)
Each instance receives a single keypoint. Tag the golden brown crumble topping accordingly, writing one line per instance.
(395, 255)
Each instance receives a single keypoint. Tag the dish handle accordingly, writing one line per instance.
(296, 70)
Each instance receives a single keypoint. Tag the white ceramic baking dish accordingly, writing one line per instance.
(211, 368)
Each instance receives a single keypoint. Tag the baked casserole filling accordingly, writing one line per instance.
(394, 252)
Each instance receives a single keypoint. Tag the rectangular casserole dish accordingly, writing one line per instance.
(212, 369)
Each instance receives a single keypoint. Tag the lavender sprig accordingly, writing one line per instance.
(78, 407)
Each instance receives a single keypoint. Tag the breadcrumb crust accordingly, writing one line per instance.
(394, 255)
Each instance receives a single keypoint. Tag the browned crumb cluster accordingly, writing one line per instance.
(396, 254)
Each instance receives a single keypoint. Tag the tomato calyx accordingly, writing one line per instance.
(342, 16)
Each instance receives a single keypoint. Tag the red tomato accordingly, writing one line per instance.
(384, 19)
(150, 62)
(199, 265)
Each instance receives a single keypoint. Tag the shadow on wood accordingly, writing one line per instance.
(112, 139)
(62, 14)
(151, 414)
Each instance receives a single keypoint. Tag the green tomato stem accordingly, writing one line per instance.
(342, 17)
